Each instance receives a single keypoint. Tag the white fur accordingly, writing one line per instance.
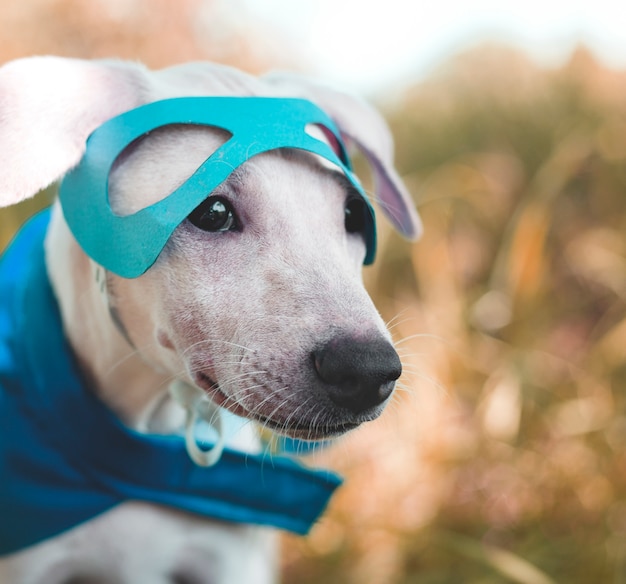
(245, 309)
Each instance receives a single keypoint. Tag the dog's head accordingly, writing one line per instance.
(257, 296)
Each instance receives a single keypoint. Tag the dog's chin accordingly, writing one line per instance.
(305, 431)
(297, 429)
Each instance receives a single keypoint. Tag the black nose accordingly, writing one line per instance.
(359, 374)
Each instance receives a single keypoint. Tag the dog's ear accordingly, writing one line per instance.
(48, 108)
(358, 122)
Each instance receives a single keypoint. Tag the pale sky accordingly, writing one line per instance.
(365, 46)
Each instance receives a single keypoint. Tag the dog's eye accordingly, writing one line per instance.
(355, 218)
(213, 214)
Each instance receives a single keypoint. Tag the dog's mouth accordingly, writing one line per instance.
(213, 391)
(293, 428)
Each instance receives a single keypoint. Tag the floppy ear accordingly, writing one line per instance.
(48, 108)
(360, 123)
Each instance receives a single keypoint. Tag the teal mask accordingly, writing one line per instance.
(129, 245)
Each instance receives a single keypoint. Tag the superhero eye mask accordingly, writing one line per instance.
(129, 245)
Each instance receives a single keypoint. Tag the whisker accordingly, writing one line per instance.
(393, 321)
(211, 340)
(133, 353)
(429, 336)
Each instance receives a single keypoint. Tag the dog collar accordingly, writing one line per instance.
(65, 458)
(129, 245)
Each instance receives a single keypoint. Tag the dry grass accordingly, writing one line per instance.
(501, 458)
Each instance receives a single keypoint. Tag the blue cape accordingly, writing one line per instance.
(65, 458)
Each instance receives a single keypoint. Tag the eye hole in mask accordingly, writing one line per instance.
(319, 132)
(138, 178)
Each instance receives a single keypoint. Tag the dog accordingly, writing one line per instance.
(253, 308)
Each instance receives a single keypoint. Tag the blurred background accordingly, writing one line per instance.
(502, 456)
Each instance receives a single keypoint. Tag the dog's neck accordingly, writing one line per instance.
(110, 366)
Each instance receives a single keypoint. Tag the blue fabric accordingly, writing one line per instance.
(65, 458)
(129, 245)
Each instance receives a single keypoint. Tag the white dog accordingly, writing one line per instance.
(256, 302)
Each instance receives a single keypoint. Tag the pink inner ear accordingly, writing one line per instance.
(393, 197)
(332, 140)
(395, 202)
